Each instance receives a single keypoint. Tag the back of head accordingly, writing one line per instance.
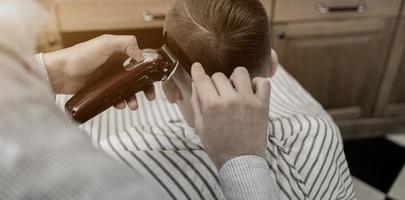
(222, 34)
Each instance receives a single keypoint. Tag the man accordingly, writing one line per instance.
(304, 150)
(42, 157)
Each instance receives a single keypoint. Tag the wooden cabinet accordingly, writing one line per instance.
(350, 56)
(338, 62)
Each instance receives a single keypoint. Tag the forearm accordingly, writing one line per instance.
(247, 178)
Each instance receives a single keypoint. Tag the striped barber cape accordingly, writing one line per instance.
(304, 151)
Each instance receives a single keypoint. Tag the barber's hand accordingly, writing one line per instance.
(231, 116)
(70, 69)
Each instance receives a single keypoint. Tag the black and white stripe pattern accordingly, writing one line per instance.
(305, 150)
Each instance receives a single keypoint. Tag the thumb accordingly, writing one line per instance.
(122, 44)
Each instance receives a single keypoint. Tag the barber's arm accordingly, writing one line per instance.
(231, 119)
(41, 156)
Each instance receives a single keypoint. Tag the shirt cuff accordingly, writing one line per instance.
(42, 71)
(247, 178)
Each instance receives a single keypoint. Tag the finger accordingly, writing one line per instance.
(122, 43)
(223, 84)
(262, 88)
(120, 106)
(133, 103)
(241, 80)
(150, 92)
(195, 103)
(205, 89)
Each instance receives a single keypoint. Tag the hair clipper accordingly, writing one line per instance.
(110, 89)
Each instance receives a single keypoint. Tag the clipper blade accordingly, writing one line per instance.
(169, 56)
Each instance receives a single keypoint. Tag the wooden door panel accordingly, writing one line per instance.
(339, 62)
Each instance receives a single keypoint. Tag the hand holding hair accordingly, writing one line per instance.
(231, 115)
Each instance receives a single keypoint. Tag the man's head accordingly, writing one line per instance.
(221, 35)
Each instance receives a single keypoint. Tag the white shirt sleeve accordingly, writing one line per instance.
(41, 155)
(247, 178)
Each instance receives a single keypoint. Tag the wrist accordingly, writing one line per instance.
(55, 64)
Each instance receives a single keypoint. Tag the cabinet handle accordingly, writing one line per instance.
(148, 16)
(52, 40)
(325, 9)
(281, 35)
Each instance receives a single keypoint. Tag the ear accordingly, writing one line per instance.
(274, 64)
(171, 91)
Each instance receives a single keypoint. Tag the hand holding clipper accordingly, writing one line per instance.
(110, 89)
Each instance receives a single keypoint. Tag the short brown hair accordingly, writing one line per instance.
(221, 34)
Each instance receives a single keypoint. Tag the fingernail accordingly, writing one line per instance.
(197, 66)
(151, 96)
(134, 105)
